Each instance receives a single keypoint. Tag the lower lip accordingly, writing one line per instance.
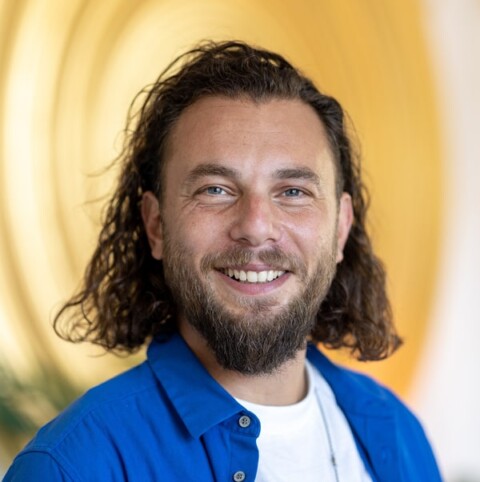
(254, 288)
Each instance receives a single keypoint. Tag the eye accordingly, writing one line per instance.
(215, 191)
(214, 194)
(293, 192)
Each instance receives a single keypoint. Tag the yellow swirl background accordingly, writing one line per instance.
(68, 71)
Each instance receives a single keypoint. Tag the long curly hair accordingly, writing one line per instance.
(124, 300)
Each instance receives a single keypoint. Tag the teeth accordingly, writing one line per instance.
(253, 276)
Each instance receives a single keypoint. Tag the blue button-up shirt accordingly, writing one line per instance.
(169, 420)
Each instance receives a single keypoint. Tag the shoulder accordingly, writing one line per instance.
(106, 418)
(356, 390)
(359, 394)
(100, 403)
(384, 426)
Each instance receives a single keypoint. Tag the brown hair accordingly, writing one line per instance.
(124, 299)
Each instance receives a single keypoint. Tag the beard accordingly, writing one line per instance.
(256, 336)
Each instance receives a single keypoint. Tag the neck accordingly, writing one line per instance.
(285, 386)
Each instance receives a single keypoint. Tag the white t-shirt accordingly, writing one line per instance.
(293, 443)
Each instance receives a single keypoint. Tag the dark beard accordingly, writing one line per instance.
(260, 341)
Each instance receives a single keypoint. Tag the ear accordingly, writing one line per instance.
(152, 222)
(344, 223)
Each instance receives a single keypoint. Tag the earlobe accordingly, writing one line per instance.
(344, 223)
(152, 222)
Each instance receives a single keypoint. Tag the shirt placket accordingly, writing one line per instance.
(244, 430)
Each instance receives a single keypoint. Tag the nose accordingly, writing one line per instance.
(256, 222)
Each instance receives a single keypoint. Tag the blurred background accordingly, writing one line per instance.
(407, 71)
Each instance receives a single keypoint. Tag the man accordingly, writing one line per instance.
(234, 242)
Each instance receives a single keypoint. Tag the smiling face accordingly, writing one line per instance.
(250, 228)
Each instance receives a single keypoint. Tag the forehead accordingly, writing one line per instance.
(253, 137)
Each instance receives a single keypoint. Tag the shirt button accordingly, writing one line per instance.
(244, 421)
(239, 476)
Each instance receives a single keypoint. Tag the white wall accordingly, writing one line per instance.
(447, 389)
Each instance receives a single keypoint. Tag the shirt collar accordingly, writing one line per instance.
(198, 398)
(370, 400)
(369, 410)
(202, 402)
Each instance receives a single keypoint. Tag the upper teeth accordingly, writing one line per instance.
(253, 276)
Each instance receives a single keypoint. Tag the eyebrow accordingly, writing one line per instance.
(211, 169)
(299, 173)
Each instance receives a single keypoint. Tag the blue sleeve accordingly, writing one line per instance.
(417, 453)
(36, 467)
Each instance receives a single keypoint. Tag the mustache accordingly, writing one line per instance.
(239, 256)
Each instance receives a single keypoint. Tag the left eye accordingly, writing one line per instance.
(215, 190)
(293, 192)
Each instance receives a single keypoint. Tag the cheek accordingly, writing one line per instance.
(197, 235)
(313, 239)
(311, 229)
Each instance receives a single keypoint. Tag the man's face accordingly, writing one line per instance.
(249, 228)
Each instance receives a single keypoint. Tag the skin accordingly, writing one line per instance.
(256, 175)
